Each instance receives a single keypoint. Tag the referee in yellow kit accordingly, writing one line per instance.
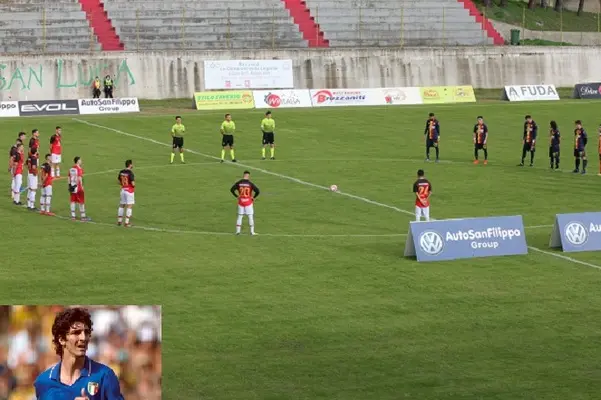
(268, 128)
(177, 133)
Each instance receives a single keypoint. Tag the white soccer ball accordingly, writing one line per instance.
(334, 188)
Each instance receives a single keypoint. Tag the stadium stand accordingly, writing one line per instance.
(386, 23)
(128, 339)
(36, 26)
(212, 24)
(68, 26)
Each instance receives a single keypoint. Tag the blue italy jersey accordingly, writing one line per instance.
(98, 381)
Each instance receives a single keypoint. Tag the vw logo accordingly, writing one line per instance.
(431, 243)
(576, 233)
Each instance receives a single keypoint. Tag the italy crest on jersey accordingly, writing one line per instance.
(93, 388)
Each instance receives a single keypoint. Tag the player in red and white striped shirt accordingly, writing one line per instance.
(76, 190)
(247, 193)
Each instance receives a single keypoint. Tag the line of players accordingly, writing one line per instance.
(530, 134)
(50, 171)
(227, 130)
(244, 190)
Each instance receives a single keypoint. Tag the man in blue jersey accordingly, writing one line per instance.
(75, 377)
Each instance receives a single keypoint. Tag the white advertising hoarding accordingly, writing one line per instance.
(282, 98)
(248, 74)
(9, 109)
(365, 97)
(109, 106)
(531, 92)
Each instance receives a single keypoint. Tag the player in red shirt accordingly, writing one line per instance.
(46, 196)
(11, 153)
(76, 190)
(56, 151)
(17, 161)
(32, 178)
(247, 193)
(422, 189)
(128, 185)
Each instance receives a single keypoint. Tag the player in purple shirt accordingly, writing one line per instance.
(76, 377)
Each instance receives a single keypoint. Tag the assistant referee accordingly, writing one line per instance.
(178, 130)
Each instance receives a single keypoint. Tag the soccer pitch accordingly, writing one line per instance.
(322, 304)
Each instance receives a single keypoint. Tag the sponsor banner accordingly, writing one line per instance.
(282, 98)
(452, 239)
(347, 97)
(224, 100)
(531, 93)
(577, 232)
(447, 94)
(402, 95)
(9, 109)
(109, 106)
(248, 74)
(48, 107)
(588, 90)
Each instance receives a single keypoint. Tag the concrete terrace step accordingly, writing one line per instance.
(409, 43)
(267, 6)
(38, 32)
(38, 24)
(336, 27)
(70, 15)
(246, 36)
(410, 34)
(194, 30)
(215, 13)
(192, 45)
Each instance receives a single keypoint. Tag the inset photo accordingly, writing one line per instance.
(79, 352)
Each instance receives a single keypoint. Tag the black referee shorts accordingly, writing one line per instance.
(268, 138)
(227, 140)
(178, 142)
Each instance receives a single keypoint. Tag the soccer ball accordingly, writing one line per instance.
(334, 188)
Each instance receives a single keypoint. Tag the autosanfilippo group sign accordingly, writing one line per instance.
(109, 106)
(466, 238)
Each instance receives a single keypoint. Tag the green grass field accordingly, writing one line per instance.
(322, 304)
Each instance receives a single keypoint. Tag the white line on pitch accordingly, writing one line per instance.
(561, 256)
(250, 167)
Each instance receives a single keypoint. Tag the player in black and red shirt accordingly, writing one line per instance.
(554, 144)
(480, 140)
(529, 140)
(11, 153)
(422, 189)
(432, 134)
(127, 182)
(246, 194)
(32, 178)
(34, 141)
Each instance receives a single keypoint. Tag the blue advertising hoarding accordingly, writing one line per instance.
(577, 232)
(453, 239)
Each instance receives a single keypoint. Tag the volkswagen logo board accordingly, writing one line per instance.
(577, 232)
(466, 238)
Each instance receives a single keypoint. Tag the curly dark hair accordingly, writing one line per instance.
(63, 322)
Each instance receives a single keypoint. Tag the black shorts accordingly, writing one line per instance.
(579, 153)
(480, 146)
(178, 142)
(528, 147)
(553, 150)
(268, 138)
(227, 140)
(431, 143)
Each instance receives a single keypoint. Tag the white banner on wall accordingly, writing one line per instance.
(282, 98)
(402, 95)
(347, 97)
(248, 74)
(9, 109)
(531, 92)
(109, 106)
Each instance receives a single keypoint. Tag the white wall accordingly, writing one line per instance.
(179, 74)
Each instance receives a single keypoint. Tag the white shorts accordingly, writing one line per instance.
(47, 191)
(248, 210)
(422, 212)
(127, 198)
(32, 181)
(55, 158)
(17, 182)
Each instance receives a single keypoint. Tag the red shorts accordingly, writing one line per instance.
(78, 198)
